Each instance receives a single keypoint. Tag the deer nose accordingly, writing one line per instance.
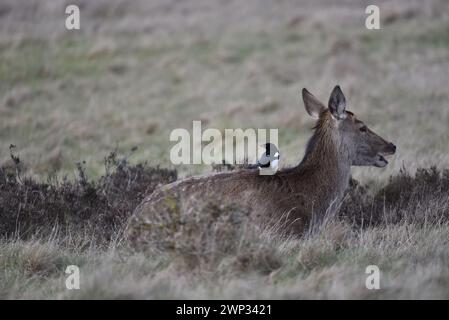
(392, 147)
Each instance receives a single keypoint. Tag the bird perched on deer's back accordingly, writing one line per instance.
(269, 159)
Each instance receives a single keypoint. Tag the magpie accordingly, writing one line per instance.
(269, 159)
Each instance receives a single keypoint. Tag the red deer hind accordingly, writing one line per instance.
(299, 195)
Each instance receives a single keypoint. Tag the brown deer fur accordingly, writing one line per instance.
(297, 196)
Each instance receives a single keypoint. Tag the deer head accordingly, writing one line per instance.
(354, 140)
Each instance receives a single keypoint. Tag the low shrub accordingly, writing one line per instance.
(29, 208)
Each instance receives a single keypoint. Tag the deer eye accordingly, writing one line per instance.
(362, 129)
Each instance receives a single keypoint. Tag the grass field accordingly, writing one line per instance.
(137, 70)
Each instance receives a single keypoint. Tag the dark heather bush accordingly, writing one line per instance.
(423, 198)
(99, 208)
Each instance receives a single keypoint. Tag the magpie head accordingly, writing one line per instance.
(270, 149)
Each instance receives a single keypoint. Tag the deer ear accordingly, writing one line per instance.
(313, 106)
(337, 103)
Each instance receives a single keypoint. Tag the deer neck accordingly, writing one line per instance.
(326, 163)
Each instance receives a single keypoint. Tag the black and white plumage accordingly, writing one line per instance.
(269, 159)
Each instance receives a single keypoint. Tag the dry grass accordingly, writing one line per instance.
(136, 71)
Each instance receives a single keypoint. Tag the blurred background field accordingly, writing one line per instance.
(138, 69)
